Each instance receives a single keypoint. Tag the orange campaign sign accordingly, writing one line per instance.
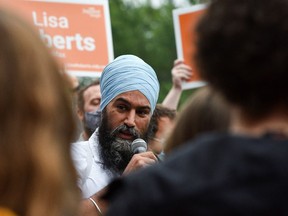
(185, 20)
(77, 31)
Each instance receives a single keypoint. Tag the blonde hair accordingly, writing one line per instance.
(205, 111)
(37, 177)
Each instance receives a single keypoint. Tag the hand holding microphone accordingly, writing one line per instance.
(139, 146)
(141, 157)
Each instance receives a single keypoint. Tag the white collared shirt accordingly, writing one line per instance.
(92, 176)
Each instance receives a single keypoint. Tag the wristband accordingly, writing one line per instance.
(95, 204)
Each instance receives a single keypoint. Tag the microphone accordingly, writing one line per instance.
(138, 146)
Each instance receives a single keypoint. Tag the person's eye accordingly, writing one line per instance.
(143, 113)
(121, 107)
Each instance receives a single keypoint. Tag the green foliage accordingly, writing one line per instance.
(198, 1)
(146, 32)
(85, 81)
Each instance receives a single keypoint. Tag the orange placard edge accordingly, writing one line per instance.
(177, 31)
(105, 4)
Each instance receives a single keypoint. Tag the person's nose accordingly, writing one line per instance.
(130, 119)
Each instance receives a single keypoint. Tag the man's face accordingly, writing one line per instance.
(124, 119)
(92, 98)
(131, 109)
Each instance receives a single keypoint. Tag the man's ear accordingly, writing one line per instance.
(80, 114)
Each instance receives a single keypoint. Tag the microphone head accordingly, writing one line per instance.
(138, 146)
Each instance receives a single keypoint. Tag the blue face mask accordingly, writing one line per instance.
(92, 120)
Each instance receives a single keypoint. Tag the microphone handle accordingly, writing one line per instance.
(139, 150)
(159, 157)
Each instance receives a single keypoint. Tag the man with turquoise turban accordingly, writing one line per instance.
(129, 89)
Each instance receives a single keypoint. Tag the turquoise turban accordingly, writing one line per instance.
(128, 73)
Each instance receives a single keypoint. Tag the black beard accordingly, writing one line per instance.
(115, 152)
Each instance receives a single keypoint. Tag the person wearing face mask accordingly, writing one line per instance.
(88, 103)
(92, 121)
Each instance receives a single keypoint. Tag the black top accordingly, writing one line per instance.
(218, 174)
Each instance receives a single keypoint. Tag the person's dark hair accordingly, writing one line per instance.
(205, 111)
(242, 52)
(159, 112)
(80, 98)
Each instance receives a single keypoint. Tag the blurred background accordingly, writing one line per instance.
(145, 28)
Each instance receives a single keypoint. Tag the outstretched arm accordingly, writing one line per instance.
(180, 72)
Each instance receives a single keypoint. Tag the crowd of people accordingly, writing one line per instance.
(222, 153)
